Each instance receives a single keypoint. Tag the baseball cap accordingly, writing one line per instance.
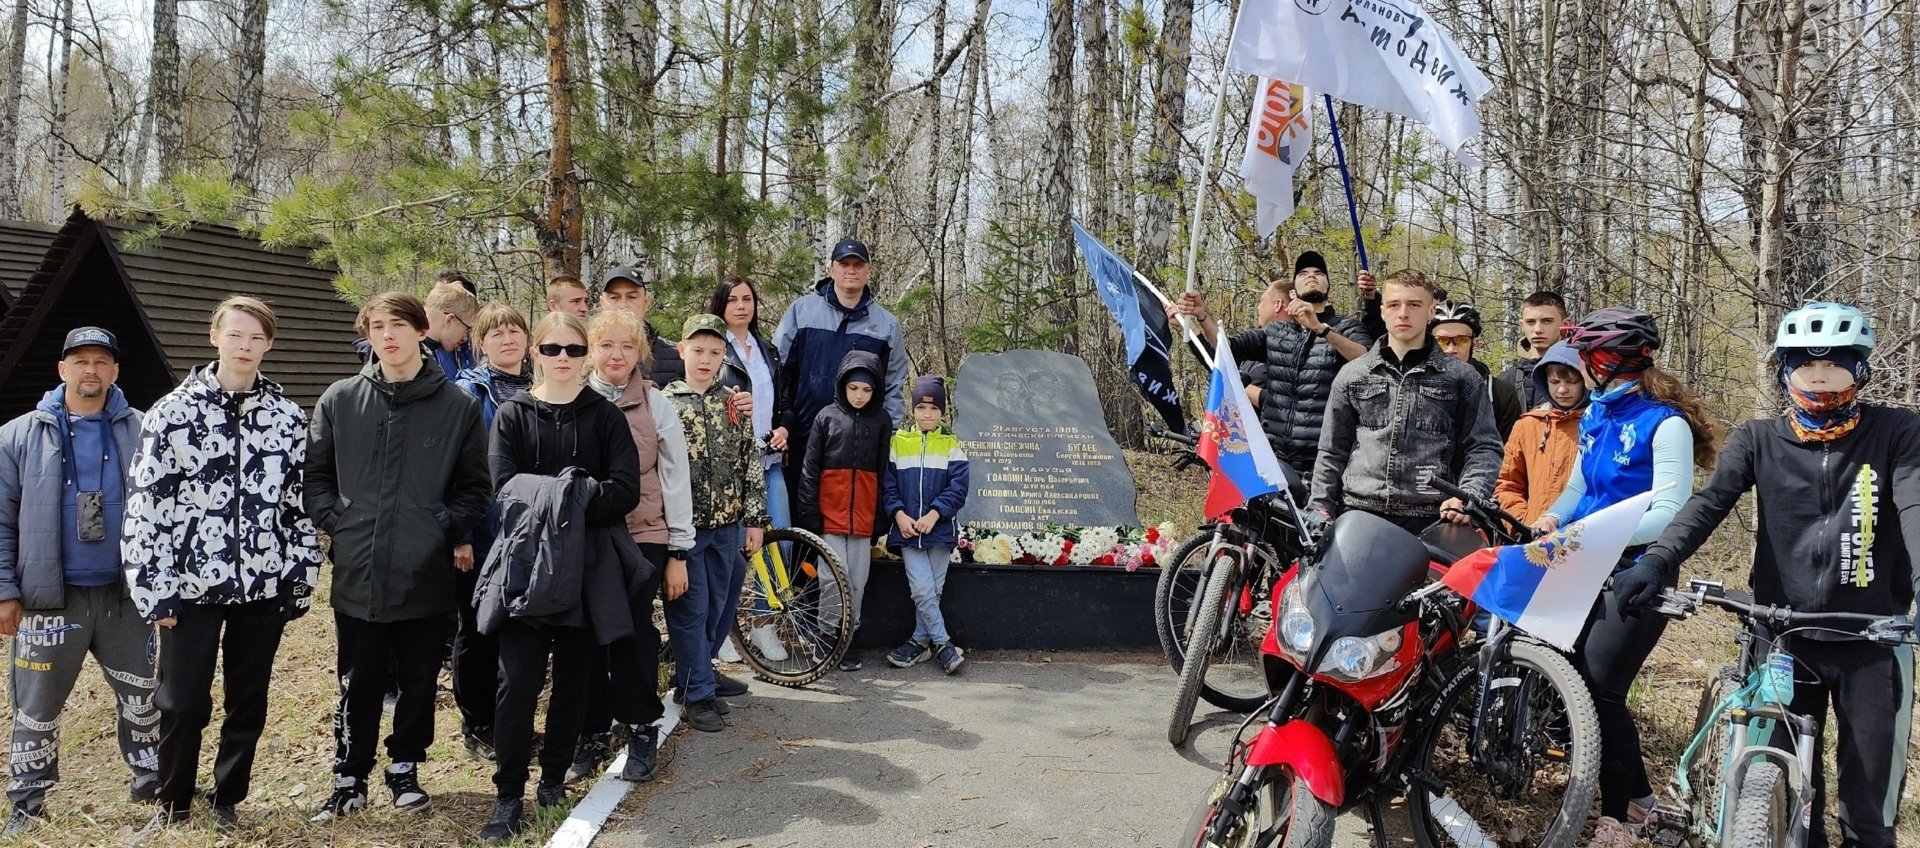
(90, 337)
(631, 273)
(703, 323)
(851, 247)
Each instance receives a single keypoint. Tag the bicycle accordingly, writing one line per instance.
(1230, 567)
(809, 617)
(1735, 786)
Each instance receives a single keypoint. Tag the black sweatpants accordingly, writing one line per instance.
(1871, 690)
(624, 683)
(1609, 655)
(373, 658)
(524, 650)
(188, 653)
(476, 656)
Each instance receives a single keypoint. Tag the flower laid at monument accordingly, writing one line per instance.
(1061, 545)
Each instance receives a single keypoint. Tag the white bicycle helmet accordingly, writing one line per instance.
(1825, 326)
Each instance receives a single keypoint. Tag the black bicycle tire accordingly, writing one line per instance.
(1583, 760)
(1760, 811)
(1180, 721)
(741, 629)
(1172, 641)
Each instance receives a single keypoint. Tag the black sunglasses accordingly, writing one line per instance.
(575, 351)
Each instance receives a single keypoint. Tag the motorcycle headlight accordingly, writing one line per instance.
(1296, 624)
(1355, 658)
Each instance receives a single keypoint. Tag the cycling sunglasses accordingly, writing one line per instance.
(574, 351)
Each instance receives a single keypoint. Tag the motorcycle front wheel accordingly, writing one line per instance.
(1284, 814)
(1534, 782)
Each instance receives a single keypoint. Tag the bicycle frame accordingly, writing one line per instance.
(1752, 707)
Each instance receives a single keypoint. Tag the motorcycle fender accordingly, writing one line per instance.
(1306, 750)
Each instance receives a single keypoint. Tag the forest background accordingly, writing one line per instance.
(1712, 161)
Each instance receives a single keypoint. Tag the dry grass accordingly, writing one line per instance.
(291, 775)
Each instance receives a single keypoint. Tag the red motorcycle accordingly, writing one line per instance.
(1381, 688)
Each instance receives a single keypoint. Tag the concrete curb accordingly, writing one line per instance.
(590, 815)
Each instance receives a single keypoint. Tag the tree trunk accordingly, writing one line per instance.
(252, 67)
(1058, 155)
(806, 128)
(62, 63)
(561, 231)
(164, 97)
(10, 113)
(1175, 56)
(872, 71)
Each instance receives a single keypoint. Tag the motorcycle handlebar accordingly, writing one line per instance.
(1485, 512)
(1160, 432)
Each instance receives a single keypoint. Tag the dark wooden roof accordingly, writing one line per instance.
(157, 299)
(22, 245)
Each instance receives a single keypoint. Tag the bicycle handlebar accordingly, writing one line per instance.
(1879, 628)
(1160, 432)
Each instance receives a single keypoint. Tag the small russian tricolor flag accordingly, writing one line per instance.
(1232, 442)
(1547, 587)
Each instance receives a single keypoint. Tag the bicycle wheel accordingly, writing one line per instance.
(1711, 762)
(793, 623)
(1235, 678)
(1538, 776)
(1200, 641)
(1284, 814)
(1182, 578)
(1762, 812)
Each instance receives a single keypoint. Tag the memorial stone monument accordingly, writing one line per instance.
(1031, 424)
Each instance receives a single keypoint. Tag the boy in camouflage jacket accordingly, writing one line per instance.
(729, 512)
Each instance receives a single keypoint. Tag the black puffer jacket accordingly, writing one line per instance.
(1299, 374)
(667, 364)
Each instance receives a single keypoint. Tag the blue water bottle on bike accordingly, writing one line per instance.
(1776, 680)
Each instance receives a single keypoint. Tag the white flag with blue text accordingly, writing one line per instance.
(1385, 54)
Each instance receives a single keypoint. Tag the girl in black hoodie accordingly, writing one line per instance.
(555, 425)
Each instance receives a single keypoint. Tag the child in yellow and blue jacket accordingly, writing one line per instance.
(923, 489)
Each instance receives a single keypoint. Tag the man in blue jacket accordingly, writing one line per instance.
(63, 487)
(819, 329)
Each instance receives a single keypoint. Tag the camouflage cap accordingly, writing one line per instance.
(703, 323)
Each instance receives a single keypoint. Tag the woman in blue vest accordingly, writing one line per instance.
(1643, 430)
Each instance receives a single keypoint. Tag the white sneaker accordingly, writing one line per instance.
(728, 653)
(767, 643)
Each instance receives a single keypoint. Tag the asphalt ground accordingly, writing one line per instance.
(1020, 749)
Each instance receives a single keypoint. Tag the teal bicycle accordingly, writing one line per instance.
(1745, 781)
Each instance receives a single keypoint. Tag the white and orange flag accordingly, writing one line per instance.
(1278, 134)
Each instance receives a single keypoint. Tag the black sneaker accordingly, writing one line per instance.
(588, 757)
(226, 819)
(950, 657)
(349, 797)
(643, 755)
(727, 687)
(550, 793)
(479, 742)
(850, 662)
(144, 792)
(505, 823)
(403, 780)
(23, 819)
(680, 697)
(705, 716)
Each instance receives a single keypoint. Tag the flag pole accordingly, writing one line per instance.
(1196, 231)
(1346, 182)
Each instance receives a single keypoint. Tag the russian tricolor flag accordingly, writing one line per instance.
(1232, 442)
(1547, 587)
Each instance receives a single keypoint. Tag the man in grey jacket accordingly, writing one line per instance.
(63, 487)
(1402, 414)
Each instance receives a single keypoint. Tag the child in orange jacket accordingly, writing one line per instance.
(839, 491)
(1546, 440)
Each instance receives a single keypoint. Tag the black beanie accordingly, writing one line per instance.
(1309, 259)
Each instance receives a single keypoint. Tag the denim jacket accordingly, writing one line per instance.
(1389, 429)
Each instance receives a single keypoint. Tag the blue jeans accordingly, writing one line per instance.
(778, 508)
(926, 579)
(701, 618)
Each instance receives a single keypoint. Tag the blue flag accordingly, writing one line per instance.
(1143, 323)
